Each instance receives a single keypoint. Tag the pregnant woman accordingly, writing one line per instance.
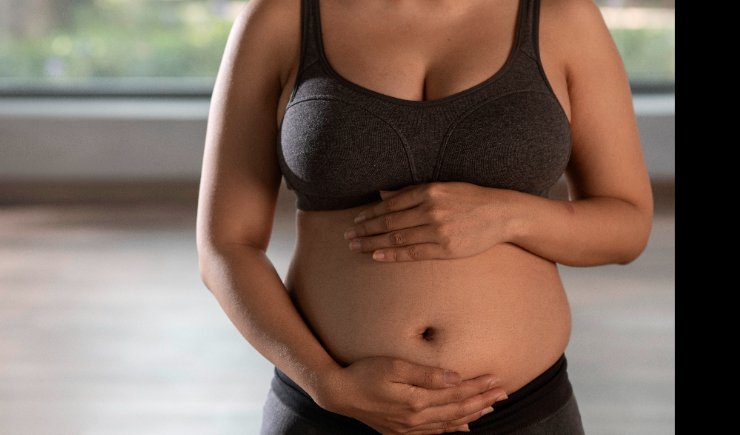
(421, 138)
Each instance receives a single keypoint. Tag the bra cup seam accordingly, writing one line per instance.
(298, 82)
(404, 143)
(443, 149)
(526, 54)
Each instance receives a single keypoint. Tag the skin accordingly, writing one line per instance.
(477, 308)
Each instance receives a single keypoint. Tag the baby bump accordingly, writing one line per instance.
(503, 311)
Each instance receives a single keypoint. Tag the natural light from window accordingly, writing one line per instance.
(74, 42)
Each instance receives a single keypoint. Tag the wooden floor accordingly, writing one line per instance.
(106, 329)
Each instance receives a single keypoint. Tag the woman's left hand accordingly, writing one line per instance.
(433, 221)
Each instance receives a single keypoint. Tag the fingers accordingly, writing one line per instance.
(386, 223)
(460, 425)
(400, 238)
(385, 194)
(458, 394)
(408, 197)
(396, 229)
(423, 251)
(411, 244)
(459, 414)
(429, 399)
(450, 418)
(426, 377)
(435, 388)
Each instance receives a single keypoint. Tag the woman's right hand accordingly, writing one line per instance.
(395, 397)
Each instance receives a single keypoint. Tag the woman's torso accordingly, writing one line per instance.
(502, 312)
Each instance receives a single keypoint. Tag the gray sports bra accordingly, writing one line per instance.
(339, 144)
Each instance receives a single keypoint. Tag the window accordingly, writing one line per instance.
(645, 33)
(175, 46)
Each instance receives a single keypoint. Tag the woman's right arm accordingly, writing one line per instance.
(239, 187)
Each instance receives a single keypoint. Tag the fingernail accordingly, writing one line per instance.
(451, 378)
(350, 234)
(360, 218)
(493, 383)
(463, 428)
(502, 397)
(378, 255)
(487, 411)
(355, 245)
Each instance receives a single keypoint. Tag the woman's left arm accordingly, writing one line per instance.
(609, 215)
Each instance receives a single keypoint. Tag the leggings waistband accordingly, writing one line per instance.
(531, 404)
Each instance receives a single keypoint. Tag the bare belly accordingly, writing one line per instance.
(502, 312)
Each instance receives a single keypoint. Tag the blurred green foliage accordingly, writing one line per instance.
(150, 38)
(112, 38)
(649, 55)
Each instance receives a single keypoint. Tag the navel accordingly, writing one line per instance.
(428, 334)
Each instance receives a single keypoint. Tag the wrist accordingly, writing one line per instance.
(328, 386)
(517, 223)
(512, 212)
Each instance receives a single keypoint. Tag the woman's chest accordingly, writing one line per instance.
(418, 53)
(342, 141)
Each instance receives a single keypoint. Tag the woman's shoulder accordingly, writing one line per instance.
(272, 31)
(277, 12)
(572, 22)
(575, 36)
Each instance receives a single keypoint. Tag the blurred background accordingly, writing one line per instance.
(105, 326)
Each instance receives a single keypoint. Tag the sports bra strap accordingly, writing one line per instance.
(310, 53)
(527, 28)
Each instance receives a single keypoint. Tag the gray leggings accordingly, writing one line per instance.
(545, 406)
(279, 419)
